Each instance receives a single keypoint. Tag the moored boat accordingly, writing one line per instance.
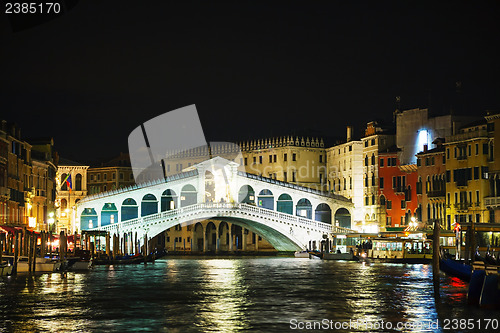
(338, 256)
(401, 250)
(301, 254)
(5, 268)
(42, 265)
(80, 261)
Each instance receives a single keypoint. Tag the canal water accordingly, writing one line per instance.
(271, 294)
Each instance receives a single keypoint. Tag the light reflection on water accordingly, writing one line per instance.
(227, 295)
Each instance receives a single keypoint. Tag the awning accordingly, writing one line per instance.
(7, 229)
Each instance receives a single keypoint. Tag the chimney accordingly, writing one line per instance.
(349, 133)
(425, 148)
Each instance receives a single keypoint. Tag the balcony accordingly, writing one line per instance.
(467, 136)
(462, 205)
(492, 201)
(5, 192)
(436, 194)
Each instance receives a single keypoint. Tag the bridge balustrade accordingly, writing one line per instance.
(239, 207)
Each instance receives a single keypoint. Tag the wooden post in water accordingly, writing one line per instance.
(42, 243)
(64, 245)
(114, 247)
(29, 237)
(33, 249)
(51, 240)
(145, 248)
(435, 258)
(16, 251)
(472, 241)
(136, 246)
(2, 241)
(108, 252)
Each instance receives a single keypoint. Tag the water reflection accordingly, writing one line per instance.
(224, 299)
(226, 295)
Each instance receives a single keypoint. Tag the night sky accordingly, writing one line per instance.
(253, 68)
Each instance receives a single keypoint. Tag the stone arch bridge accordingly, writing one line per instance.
(288, 216)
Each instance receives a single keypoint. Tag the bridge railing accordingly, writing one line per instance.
(263, 212)
(178, 176)
(293, 186)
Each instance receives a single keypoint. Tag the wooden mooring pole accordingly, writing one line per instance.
(16, 252)
(435, 258)
(145, 248)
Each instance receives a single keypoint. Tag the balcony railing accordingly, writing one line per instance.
(492, 201)
(463, 205)
(436, 194)
(467, 136)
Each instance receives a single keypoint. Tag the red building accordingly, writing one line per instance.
(397, 191)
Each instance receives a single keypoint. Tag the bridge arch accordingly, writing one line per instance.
(246, 194)
(323, 213)
(304, 208)
(224, 236)
(343, 218)
(285, 204)
(129, 209)
(266, 199)
(168, 200)
(149, 205)
(88, 219)
(188, 195)
(198, 237)
(109, 214)
(211, 236)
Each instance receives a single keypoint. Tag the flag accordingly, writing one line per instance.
(68, 182)
(64, 181)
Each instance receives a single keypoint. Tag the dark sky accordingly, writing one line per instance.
(253, 68)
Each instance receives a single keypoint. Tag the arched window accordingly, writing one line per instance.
(382, 200)
(64, 204)
(373, 159)
(78, 182)
(64, 187)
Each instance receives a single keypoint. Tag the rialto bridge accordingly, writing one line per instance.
(288, 216)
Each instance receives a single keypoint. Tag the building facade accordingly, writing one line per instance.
(397, 191)
(112, 175)
(431, 186)
(17, 191)
(376, 140)
(66, 197)
(345, 174)
(468, 155)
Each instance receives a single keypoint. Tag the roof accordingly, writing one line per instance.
(66, 162)
(389, 150)
(439, 149)
(478, 122)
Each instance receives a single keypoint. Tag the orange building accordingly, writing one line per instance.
(397, 190)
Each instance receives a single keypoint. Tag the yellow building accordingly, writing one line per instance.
(65, 199)
(299, 160)
(112, 175)
(376, 140)
(17, 190)
(345, 175)
(44, 182)
(493, 200)
(468, 154)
